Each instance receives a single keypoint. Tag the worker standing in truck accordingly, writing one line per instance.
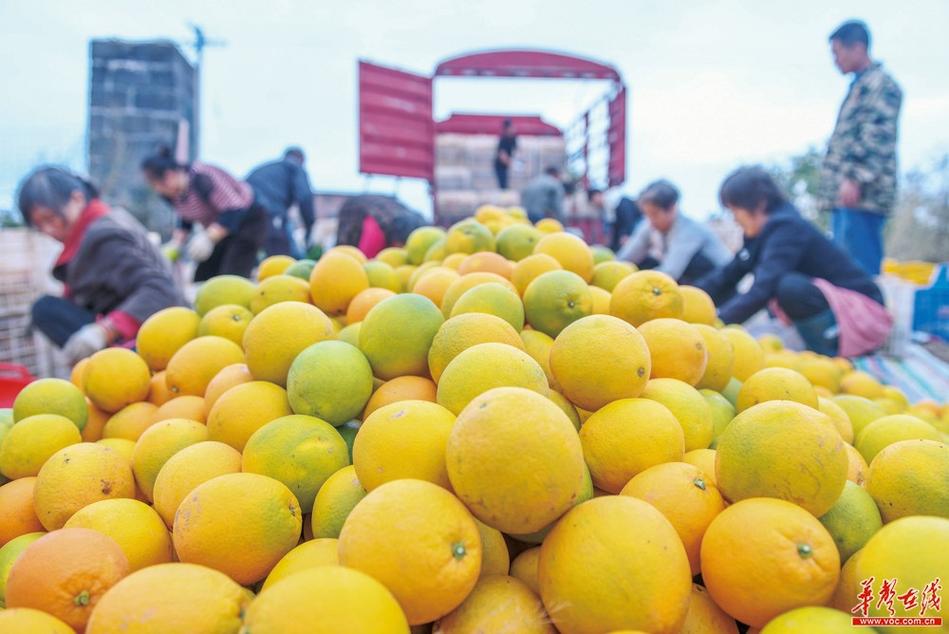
(504, 156)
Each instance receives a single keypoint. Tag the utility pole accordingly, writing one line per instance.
(201, 41)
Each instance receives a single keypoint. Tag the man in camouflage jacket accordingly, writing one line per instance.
(859, 173)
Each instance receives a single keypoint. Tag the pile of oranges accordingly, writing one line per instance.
(495, 429)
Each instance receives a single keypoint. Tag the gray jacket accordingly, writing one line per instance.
(674, 250)
(116, 268)
(543, 198)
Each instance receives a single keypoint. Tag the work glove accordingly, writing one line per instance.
(86, 341)
(171, 251)
(200, 247)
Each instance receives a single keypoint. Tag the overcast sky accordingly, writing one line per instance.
(713, 83)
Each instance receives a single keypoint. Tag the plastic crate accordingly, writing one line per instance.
(13, 378)
(931, 306)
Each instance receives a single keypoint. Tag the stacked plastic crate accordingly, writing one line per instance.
(24, 267)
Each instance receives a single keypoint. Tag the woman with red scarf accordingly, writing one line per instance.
(113, 277)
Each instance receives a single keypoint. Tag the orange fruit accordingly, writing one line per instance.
(244, 409)
(498, 603)
(688, 406)
(95, 423)
(350, 250)
(115, 377)
(524, 567)
(857, 467)
(278, 334)
(158, 392)
(914, 551)
(556, 299)
(334, 502)
(221, 290)
(486, 366)
(861, 411)
(299, 451)
(813, 618)
(163, 333)
(612, 563)
(331, 380)
(434, 283)
(705, 617)
(538, 346)
(776, 384)
(198, 361)
(821, 372)
(549, 225)
(336, 279)
(753, 457)
(65, 573)
(224, 380)
(310, 554)
(273, 265)
(601, 301)
(30, 443)
(326, 600)
(838, 416)
(430, 559)
(749, 355)
(570, 251)
(30, 621)
(188, 468)
(517, 242)
(685, 496)
(625, 438)
(600, 359)
(486, 261)
(51, 396)
(77, 476)
(381, 275)
(495, 557)
(862, 384)
(646, 295)
(187, 407)
(402, 388)
(135, 527)
(131, 421)
(697, 306)
(159, 443)
(17, 517)
(228, 321)
(466, 236)
(704, 459)
(852, 520)
(492, 299)
(526, 270)
(887, 430)
(397, 333)
(464, 284)
(677, 349)
(607, 275)
(789, 560)
(403, 440)
(239, 523)
(721, 359)
(363, 303)
(459, 333)
(909, 478)
(486, 466)
(173, 597)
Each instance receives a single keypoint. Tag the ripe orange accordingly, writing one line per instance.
(163, 333)
(464, 331)
(131, 421)
(776, 384)
(677, 349)
(600, 359)
(721, 359)
(486, 261)
(186, 407)
(749, 355)
(135, 527)
(403, 388)
(570, 251)
(309, 554)
(785, 450)
(483, 367)
(115, 377)
(159, 443)
(239, 523)
(556, 299)
(277, 289)
(487, 466)
(224, 380)
(363, 303)
(430, 559)
(697, 306)
(197, 362)
(646, 295)
(229, 321)
(336, 279)
(65, 573)
(500, 604)
(625, 438)
(786, 561)
(526, 270)
(397, 333)
(188, 468)
(685, 496)
(17, 516)
(612, 563)
(688, 406)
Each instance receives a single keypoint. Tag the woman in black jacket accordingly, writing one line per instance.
(833, 303)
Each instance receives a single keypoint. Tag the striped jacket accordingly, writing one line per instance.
(862, 147)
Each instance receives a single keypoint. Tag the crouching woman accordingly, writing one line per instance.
(835, 306)
(113, 277)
